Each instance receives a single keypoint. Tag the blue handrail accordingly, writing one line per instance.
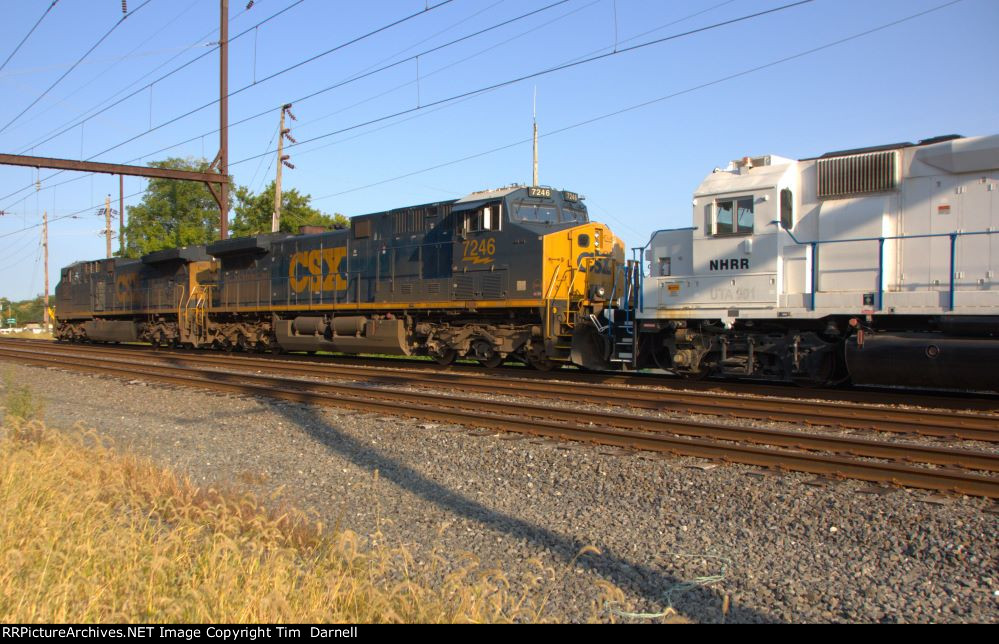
(814, 245)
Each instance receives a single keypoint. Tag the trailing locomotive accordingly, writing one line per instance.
(875, 265)
(517, 273)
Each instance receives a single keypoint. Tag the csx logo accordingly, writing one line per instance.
(306, 270)
(601, 265)
(124, 286)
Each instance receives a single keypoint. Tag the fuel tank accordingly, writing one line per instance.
(924, 360)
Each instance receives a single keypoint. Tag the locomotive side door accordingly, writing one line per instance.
(477, 247)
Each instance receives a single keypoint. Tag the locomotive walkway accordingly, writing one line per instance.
(906, 464)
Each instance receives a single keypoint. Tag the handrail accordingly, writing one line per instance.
(814, 245)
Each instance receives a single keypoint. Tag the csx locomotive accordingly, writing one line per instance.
(877, 265)
(518, 273)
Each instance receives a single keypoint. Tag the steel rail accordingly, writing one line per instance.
(938, 423)
(931, 399)
(539, 420)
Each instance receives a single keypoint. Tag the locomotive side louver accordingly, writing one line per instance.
(857, 174)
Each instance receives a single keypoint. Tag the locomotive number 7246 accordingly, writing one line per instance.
(478, 251)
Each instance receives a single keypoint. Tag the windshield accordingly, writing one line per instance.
(570, 215)
(535, 213)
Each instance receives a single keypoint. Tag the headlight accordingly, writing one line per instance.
(599, 293)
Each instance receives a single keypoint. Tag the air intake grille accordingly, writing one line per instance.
(464, 287)
(857, 174)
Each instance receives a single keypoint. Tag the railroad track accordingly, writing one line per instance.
(927, 422)
(815, 453)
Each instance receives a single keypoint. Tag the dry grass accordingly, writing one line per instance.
(91, 535)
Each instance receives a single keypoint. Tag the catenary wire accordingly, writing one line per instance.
(271, 76)
(87, 117)
(637, 106)
(299, 99)
(78, 61)
(543, 72)
(28, 35)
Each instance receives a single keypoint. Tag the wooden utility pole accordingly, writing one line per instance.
(45, 248)
(223, 157)
(282, 160)
(121, 215)
(107, 222)
(276, 215)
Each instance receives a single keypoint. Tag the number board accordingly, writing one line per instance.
(542, 193)
(570, 196)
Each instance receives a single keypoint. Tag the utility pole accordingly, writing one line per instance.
(107, 222)
(282, 161)
(535, 136)
(121, 214)
(224, 117)
(45, 247)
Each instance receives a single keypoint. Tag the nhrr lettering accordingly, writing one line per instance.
(734, 264)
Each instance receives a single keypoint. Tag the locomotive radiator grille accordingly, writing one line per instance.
(857, 174)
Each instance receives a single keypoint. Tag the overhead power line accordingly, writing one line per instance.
(543, 72)
(426, 106)
(28, 35)
(595, 119)
(116, 61)
(78, 61)
(278, 73)
(231, 94)
(637, 106)
(338, 84)
(66, 216)
(87, 117)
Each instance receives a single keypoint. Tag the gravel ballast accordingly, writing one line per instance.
(721, 543)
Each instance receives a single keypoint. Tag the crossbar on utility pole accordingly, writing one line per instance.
(112, 168)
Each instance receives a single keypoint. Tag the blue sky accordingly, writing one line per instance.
(932, 75)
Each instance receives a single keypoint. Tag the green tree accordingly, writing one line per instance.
(172, 213)
(253, 212)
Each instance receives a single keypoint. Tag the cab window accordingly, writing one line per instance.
(786, 209)
(734, 216)
(484, 218)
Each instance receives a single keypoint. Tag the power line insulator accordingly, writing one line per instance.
(249, 5)
(288, 165)
(124, 6)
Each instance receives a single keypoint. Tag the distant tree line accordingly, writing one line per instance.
(25, 311)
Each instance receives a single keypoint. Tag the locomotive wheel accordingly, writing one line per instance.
(487, 356)
(492, 361)
(446, 358)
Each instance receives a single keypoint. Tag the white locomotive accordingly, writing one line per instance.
(877, 265)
